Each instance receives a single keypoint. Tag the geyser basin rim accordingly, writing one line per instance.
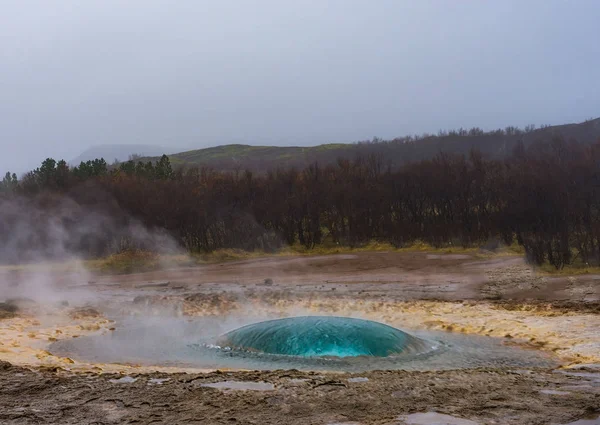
(322, 336)
(193, 344)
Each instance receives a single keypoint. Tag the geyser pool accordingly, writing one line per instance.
(314, 336)
(210, 343)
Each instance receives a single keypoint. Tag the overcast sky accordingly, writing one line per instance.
(288, 72)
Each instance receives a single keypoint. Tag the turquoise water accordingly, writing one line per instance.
(322, 336)
(304, 343)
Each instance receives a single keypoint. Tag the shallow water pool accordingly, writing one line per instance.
(209, 343)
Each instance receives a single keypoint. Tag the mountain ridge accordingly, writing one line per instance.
(120, 152)
(396, 152)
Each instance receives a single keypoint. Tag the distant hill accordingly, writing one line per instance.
(232, 157)
(398, 151)
(120, 152)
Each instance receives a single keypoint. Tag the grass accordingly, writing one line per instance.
(270, 154)
(330, 146)
(374, 246)
(126, 262)
(329, 248)
(516, 248)
(142, 261)
(569, 270)
(45, 266)
(578, 267)
(238, 151)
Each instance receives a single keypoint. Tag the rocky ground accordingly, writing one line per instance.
(483, 396)
(495, 296)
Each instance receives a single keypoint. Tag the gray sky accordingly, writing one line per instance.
(199, 73)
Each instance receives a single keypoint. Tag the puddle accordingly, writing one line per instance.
(432, 418)
(579, 388)
(592, 376)
(123, 380)
(359, 379)
(158, 381)
(297, 382)
(344, 423)
(241, 385)
(555, 392)
(585, 422)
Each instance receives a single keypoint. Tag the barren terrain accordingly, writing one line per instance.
(497, 296)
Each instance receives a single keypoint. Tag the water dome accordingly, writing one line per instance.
(322, 336)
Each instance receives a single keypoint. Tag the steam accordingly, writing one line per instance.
(45, 242)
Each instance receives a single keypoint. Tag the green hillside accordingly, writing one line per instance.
(393, 152)
(233, 157)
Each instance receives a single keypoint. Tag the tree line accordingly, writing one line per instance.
(545, 197)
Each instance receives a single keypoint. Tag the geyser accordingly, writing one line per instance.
(322, 336)
(305, 343)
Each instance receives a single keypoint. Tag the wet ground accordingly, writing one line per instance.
(186, 342)
(482, 396)
(499, 299)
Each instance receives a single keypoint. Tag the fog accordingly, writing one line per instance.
(45, 242)
(198, 73)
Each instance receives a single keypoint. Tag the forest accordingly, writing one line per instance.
(544, 196)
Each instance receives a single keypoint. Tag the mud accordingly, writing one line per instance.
(482, 396)
(498, 297)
